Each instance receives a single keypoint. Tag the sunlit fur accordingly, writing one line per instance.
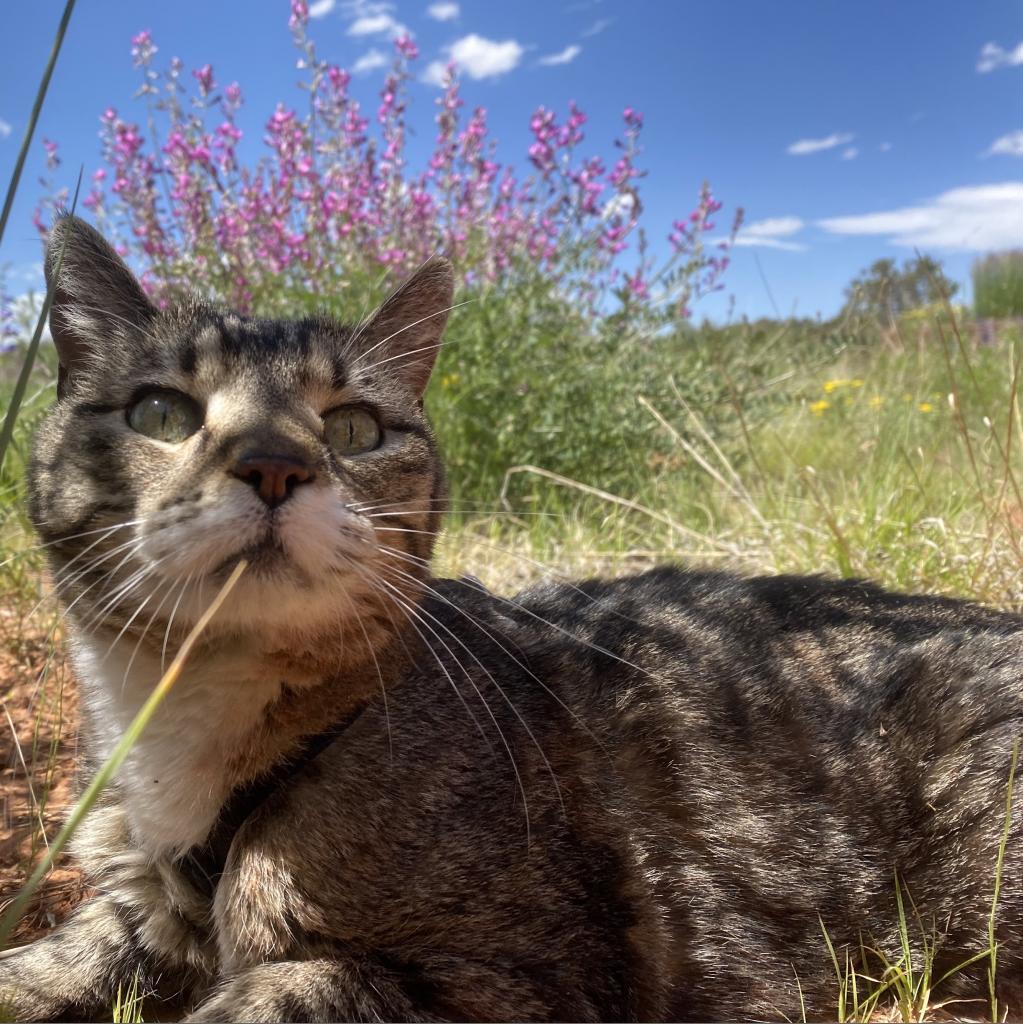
(635, 799)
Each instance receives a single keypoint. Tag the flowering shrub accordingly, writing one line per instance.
(574, 316)
(335, 196)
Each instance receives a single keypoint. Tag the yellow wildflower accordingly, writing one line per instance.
(876, 402)
(925, 407)
(857, 383)
(818, 407)
(833, 385)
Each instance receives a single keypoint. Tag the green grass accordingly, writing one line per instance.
(992, 969)
(804, 452)
(900, 983)
(998, 284)
(128, 1003)
(903, 982)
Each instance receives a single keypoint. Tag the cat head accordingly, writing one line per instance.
(187, 438)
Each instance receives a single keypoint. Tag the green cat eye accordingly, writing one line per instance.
(165, 416)
(351, 431)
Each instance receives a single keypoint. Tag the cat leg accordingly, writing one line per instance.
(74, 971)
(363, 989)
(310, 990)
(105, 946)
(146, 924)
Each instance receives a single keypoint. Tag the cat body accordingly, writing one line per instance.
(633, 799)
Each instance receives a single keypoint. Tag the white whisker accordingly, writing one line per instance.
(511, 705)
(401, 330)
(490, 636)
(518, 607)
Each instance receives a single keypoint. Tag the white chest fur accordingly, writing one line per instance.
(174, 780)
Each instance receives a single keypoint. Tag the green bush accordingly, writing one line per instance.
(998, 285)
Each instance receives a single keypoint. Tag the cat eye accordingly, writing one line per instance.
(351, 431)
(165, 416)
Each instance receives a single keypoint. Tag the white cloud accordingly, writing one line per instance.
(770, 232)
(618, 206)
(971, 219)
(365, 8)
(774, 226)
(1007, 145)
(435, 73)
(992, 56)
(769, 243)
(597, 27)
(566, 56)
(805, 146)
(443, 11)
(375, 24)
(477, 57)
(371, 17)
(5, 129)
(484, 58)
(321, 8)
(851, 153)
(369, 61)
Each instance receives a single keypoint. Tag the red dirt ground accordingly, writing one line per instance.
(37, 771)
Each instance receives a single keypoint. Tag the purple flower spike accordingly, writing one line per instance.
(334, 189)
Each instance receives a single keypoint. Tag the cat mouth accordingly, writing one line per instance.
(266, 557)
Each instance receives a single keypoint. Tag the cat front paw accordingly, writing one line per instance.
(236, 1005)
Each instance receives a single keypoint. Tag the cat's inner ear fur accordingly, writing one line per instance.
(96, 297)
(403, 337)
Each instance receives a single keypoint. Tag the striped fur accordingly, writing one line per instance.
(627, 800)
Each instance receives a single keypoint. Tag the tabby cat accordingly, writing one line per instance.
(379, 795)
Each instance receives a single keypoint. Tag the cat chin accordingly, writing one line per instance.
(273, 606)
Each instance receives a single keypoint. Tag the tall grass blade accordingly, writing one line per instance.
(802, 998)
(7, 430)
(127, 1008)
(121, 751)
(37, 107)
(992, 944)
(843, 979)
(908, 987)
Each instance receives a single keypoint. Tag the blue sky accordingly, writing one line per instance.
(848, 131)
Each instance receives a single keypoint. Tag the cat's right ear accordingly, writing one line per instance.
(96, 297)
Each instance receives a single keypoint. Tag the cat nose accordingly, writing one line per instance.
(273, 477)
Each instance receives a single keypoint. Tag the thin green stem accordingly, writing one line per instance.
(37, 107)
(7, 430)
(120, 752)
(999, 864)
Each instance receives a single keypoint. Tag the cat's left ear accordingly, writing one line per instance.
(96, 297)
(404, 335)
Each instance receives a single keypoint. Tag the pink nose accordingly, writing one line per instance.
(273, 478)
